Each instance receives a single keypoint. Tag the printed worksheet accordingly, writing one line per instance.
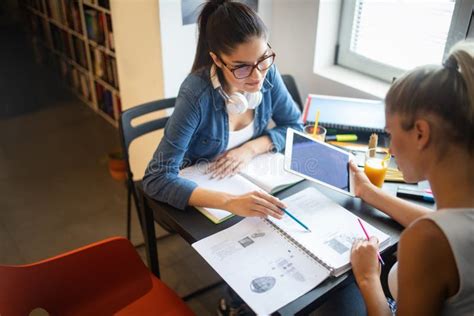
(263, 267)
(333, 228)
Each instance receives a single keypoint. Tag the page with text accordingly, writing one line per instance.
(265, 269)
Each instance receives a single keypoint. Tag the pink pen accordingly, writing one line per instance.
(367, 235)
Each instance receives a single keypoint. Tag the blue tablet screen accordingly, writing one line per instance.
(320, 162)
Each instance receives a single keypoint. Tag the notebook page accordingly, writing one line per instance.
(268, 172)
(234, 185)
(333, 228)
(265, 269)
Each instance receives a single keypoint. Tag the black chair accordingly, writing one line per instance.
(293, 90)
(128, 133)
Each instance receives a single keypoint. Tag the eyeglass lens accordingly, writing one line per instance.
(245, 71)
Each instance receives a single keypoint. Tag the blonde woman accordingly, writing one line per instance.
(430, 117)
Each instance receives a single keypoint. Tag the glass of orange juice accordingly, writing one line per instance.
(320, 132)
(376, 165)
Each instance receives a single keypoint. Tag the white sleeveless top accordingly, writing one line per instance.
(237, 138)
(458, 227)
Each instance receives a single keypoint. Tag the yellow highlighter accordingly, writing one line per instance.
(342, 138)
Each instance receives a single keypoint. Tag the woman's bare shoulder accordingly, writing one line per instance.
(424, 249)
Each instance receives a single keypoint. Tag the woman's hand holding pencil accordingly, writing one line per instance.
(365, 264)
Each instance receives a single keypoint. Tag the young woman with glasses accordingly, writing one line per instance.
(222, 113)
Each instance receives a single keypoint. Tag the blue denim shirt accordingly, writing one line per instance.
(199, 129)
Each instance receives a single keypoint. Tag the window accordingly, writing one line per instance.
(384, 38)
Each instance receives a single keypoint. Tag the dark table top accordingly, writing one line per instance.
(193, 226)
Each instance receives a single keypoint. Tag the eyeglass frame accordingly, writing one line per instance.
(232, 70)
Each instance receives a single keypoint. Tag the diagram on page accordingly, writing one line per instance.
(261, 265)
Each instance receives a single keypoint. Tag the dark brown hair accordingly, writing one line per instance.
(222, 26)
(445, 93)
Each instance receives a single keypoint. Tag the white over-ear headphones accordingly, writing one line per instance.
(236, 103)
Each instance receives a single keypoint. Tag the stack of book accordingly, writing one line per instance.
(95, 25)
(61, 41)
(80, 52)
(56, 11)
(73, 15)
(105, 66)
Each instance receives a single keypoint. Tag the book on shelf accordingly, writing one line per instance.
(115, 81)
(111, 71)
(64, 13)
(56, 11)
(105, 100)
(94, 25)
(75, 79)
(110, 36)
(80, 52)
(108, 72)
(102, 28)
(84, 82)
(98, 62)
(58, 37)
(345, 114)
(104, 66)
(265, 172)
(73, 15)
(62, 41)
(118, 104)
(38, 27)
(269, 262)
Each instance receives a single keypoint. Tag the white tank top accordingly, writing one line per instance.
(458, 227)
(237, 138)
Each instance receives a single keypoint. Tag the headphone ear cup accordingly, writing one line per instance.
(237, 103)
(254, 99)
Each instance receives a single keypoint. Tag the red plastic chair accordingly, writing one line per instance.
(104, 278)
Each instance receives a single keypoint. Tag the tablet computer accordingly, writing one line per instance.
(318, 161)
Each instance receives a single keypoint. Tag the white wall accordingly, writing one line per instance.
(136, 27)
(178, 46)
(138, 49)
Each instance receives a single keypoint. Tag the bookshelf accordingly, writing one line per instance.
(76, 38)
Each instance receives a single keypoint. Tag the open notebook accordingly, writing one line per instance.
(265, 172)
(270, 263)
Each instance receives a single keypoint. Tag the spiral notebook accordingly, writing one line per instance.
(262, 259)
(345, 114)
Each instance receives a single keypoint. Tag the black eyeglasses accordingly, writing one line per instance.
(244, 71)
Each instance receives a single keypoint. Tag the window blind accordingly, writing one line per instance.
(401, 34)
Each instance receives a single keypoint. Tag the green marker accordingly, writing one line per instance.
(342, 138)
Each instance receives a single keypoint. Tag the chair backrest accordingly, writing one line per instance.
(292, 89)
(128, 132)
(72, 283)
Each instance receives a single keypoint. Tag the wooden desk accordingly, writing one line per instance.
(193, 226)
